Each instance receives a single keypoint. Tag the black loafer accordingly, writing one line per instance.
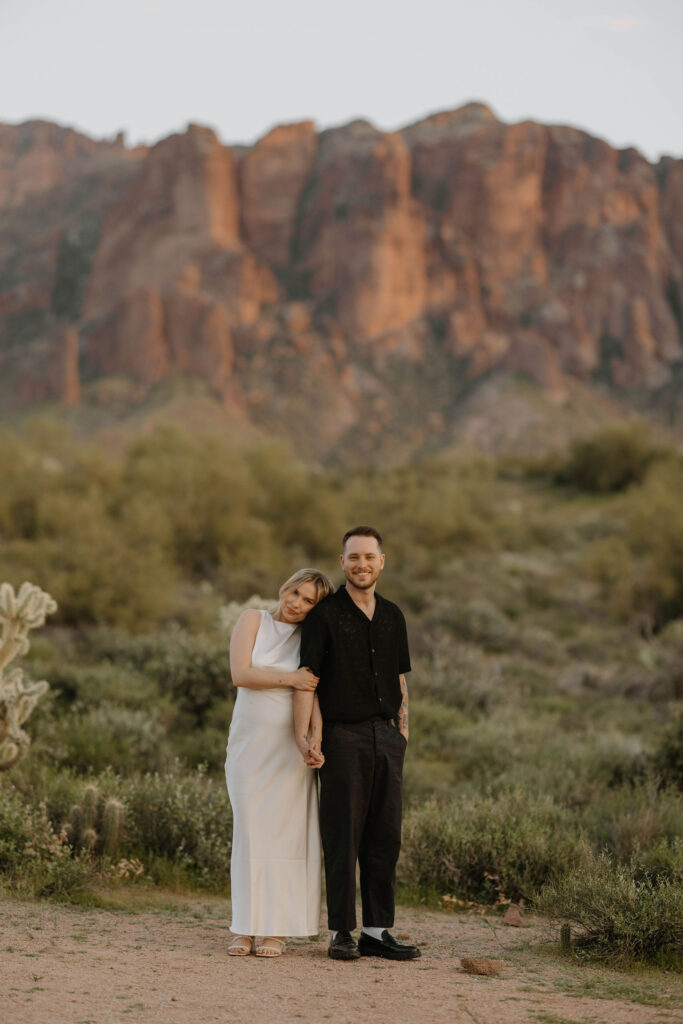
(386, 947)
(343, 947)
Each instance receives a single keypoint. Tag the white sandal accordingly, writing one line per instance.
(270, 951)
(241, 945)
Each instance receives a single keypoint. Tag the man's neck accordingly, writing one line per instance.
(365, 599)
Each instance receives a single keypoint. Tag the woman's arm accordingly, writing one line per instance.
(241, 649)
(302, 705)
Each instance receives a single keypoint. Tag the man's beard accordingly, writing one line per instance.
(362, 584)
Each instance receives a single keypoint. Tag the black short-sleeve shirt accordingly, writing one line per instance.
(358, 659)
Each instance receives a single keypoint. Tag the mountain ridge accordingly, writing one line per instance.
(357, 281)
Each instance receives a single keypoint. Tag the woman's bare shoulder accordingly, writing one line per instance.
(250, 618)
(248, 622)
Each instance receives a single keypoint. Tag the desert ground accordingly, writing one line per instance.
(167, 964)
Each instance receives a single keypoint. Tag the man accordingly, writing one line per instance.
(355, 641)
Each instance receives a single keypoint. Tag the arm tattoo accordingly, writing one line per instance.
(403, 710)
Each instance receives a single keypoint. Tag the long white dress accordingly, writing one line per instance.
(275, 865)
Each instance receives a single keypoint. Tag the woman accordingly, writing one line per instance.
(275, 865)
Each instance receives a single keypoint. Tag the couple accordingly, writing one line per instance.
(321, 684)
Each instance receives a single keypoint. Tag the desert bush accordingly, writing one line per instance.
(480, 753)
(88, 741)
(90, 685)
(632, 819)
(655, 533)
(459, 675)
(35, 857)
(475, 846)
(667, 758)
(459, 516)
(301, 507)
(176, 819)
(640, 568)
(611, 460)
(480, 622)
(192, 669)
(185, 818)
(203, 489)
(204, 746)
(622, 914)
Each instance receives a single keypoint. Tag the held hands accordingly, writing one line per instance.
(303, 679)
(314, 757)
(310, 751)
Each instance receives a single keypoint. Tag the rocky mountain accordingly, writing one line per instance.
(351, 289)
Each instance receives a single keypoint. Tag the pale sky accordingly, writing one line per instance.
(148, 67)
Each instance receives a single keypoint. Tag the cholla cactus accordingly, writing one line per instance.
(18, 697)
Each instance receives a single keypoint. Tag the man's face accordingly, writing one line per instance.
(362, 561)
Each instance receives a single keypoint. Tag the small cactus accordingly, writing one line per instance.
(89, 839)
(94, 825)
(565, 938)
(91, 799)
(73, 826)
(18, 613)
(112, 826)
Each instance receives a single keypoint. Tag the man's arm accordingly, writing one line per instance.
(403, 710)
(308, 727)
(313, 642)
(403, 667)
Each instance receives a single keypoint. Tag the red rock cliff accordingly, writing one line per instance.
(361, 273)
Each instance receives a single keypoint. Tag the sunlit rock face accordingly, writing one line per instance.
(345, 282)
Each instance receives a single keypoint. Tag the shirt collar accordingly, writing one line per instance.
(358, 611)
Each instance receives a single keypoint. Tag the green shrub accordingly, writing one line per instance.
(481, 622)
(35, 857)
(479, 752)
(185, 818)
(90, 685)
(611, 460)
(193, 670)
(632, 819)
(89, 741)
(623, 915)
(476, 846)
(15, 829)
(667, 759)
(459, 675)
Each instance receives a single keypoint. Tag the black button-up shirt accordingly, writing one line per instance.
(358, 659)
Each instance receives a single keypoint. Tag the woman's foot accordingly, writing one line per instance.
(241, 945)
(270, 946)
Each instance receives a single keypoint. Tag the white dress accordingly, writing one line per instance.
(275, 865)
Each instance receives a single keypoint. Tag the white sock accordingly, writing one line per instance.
(334, 935)
(374, 933)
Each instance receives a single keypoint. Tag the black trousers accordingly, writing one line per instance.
(361, 784)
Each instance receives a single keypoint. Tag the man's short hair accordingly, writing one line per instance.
(362, 531)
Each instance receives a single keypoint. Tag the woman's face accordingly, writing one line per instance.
(297, 603)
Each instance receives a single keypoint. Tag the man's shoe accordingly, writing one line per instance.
(343, 947)
(386, 947)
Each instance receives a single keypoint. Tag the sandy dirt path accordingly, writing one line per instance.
(69, 965)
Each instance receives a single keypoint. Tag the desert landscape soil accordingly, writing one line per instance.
(168, 964)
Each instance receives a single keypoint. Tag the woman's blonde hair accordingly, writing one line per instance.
(323, 585)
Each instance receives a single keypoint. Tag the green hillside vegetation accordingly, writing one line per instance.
(545, 607)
